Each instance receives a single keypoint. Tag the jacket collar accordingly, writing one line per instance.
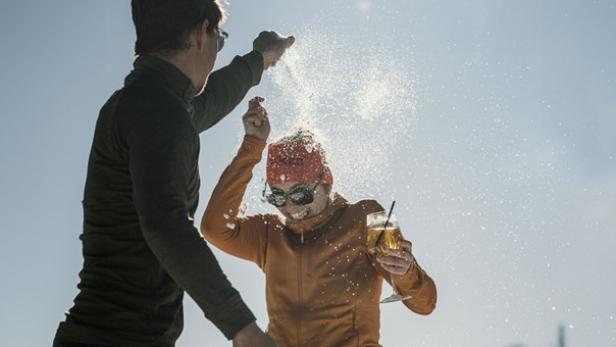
(312, 225)
(169, 74)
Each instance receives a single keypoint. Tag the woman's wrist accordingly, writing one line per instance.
(253, 146)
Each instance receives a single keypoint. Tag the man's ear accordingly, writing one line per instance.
(200, 33)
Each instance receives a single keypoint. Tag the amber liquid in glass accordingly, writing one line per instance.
(389, 240)
(378, 223)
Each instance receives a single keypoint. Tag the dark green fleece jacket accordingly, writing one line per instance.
(141, 250)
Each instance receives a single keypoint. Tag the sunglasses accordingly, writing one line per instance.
(299, 196)
(222, 36)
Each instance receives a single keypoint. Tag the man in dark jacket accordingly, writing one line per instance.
(141, 250)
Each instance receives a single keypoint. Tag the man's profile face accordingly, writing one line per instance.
(211, 49)
(206, 53)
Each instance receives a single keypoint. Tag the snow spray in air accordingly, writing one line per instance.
(357, 98)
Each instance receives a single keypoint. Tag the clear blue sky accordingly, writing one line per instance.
(490, 122)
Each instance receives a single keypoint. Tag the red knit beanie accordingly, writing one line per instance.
(297, 158)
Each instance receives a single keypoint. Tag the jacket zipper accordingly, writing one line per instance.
(300, 295)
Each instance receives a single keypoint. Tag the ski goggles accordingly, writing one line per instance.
(301, 195)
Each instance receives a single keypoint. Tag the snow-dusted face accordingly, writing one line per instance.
(300, 212)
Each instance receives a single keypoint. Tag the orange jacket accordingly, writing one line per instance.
(323, 291)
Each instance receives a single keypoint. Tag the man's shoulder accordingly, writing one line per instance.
(148, 101)
(148, 94)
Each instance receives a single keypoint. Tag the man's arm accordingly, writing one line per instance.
(225, 89)
(228, 86)
(160, 149)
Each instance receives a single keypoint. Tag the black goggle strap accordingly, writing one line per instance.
(264, 190)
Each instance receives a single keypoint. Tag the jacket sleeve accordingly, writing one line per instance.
(160, 148)
(225, 89)
(418, 285)
(415, 282)
(244, 237)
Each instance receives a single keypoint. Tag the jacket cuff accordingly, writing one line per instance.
(233, 316)
(252, 147)
(411, 279)
(254, 60)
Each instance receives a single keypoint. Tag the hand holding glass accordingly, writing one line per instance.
(380, 237)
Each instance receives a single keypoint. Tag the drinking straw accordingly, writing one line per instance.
(391, 209)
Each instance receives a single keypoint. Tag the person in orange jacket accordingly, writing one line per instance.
(322, 284)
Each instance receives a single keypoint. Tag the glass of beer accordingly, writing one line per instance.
(384, 234)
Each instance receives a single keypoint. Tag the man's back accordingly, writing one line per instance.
(140, 246)
(123, 288)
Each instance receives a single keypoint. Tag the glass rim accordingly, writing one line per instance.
(380, 219)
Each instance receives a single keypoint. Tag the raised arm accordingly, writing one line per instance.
(227, 87)
(160, 147)
(244, 237)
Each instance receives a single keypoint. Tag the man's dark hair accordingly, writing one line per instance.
(163, 25)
